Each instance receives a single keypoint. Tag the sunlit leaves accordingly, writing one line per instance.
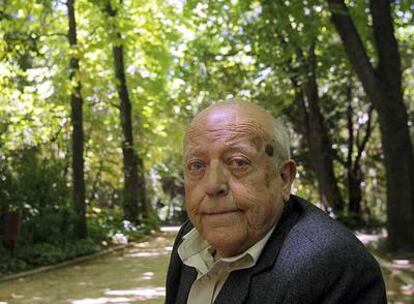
(179, 56)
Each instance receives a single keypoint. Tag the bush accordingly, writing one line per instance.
(37, 187)
(27, 256)
(80, 248)
(12, 265)
(40, 254)
(103, 224)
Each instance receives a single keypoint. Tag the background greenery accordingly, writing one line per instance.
(179, 56)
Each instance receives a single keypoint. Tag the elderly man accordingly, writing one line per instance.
(248, 239)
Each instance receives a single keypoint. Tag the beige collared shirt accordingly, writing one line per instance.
(195, 252)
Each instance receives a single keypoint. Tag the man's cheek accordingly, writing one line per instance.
(193, 196)
(245, 197)
(252, 185)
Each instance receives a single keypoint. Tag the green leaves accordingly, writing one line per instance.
(179, 57)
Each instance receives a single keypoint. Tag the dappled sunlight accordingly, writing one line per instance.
(147, 275)
(125, 296)
(145, 254)
(146, 292)
(400, 287)
(367, 238)
(403, 264)
(150, 249)
(173, 229)
(102, 301)
(407, 290)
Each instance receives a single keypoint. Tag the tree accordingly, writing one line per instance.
(314, 129)
(135, 206)
(353, 164)
(299, 47)
(80, 228)
(383, 86)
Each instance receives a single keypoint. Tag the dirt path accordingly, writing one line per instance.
(134, 275)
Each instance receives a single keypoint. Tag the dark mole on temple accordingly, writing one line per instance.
(269, 150)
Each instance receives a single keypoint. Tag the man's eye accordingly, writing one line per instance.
(238, 163)
(196, 166)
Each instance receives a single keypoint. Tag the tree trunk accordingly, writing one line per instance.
(80, 229)
(309, 122)
(353, 176)
(318, 137)
(135, 206)
(354, 172)
(383, 87)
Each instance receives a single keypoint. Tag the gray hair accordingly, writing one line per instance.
(280, 135)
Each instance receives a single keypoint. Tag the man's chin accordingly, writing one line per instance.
(226, 242)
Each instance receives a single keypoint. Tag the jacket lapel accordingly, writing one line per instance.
(188, 276)
(236, 287)
(289, 217)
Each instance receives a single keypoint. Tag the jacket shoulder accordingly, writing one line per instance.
(326, 262)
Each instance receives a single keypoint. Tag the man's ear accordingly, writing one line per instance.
(287, 174)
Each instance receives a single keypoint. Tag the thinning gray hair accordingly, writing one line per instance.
(281, 138)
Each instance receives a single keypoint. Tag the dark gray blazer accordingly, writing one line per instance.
(310, 258)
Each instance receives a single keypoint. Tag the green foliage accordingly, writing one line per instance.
(179, 57)
(27, 256)
(104, 223)
(40, 254)
(37, 188)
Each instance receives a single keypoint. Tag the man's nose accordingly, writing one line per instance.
(217, 181)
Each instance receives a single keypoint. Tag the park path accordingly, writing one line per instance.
(136, 274)
(398, 273)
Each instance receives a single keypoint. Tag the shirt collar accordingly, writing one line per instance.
(195, 251)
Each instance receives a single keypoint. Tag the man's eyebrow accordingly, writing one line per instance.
(193, 152)
(241, 145)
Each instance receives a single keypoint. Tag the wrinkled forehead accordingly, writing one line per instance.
(228, 125)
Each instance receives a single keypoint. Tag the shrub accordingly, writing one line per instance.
(27, 256)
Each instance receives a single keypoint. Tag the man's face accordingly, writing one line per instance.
(234, 191)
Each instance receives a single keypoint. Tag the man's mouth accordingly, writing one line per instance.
(221, 212)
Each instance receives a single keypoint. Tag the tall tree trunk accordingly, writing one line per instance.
(313, 127)
(80, 229)
(383, 87)
(352, 164)
(135, 206)
(317, 135)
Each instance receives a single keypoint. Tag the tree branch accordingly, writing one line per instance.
(354, 48)
(361, 146)
(350, 126)
(387, 46)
